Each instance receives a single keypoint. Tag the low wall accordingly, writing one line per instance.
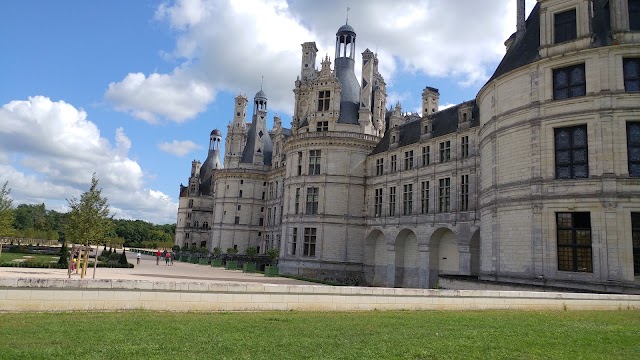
(29, 294)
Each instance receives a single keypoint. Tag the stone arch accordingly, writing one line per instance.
(474, 252)
(375, 259)
(406, 259)
(444, 256)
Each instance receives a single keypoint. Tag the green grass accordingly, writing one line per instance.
(308, 335)
(9, 257)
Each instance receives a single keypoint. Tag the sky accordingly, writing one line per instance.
(130, 90)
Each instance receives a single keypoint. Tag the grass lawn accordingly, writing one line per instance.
(9, 257)
(308, 335)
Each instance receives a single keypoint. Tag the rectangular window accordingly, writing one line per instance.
(379, 166)
(569, 82)
(323, 100)
(631, 71)
(574, 241)
(394, 161)
(635, 239)
(377, 203)
(294, 241)
(572, 161)
(464, 192)
(565, 26)
(392, 201)
(426, 155)
(444, 195)
(408, 160)
(297, 204)
(299, 163)
(407, 199)
(312, 200)
(309, 242)
(239, 207)
(633, 148)
(322, 126)
(464, 147)
(634, 15)
(268, 216)
(237, 220)
(445, 151)
(240, 193)
(187, 235)
(260, 221)
(314, 162)
(424, 197)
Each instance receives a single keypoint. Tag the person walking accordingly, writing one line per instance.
(167, 258)
(173, 255)
(138, 256)
(158, 257)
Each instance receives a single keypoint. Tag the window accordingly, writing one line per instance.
(380, 166)
(633, 148)
(239, 207)
(574, 241)
(631, 70)
(634, 15)
(187, 235)
(445, 151)
(299, 163)
(464, 146)
(394, 161)
(297, 202)
(263, 195)
(312, 200)
(268, 216)
(188, 215)
(392, 201)
(565, 26)
(262, 209)
(241, 182)
(205, 225)
(237, 220)
(309, 242)
(294, 241)
(323, 100)
(635, 239)
(322, 126)
(569, 82)
(377, 203)
(260, 221)
(314, 162)
(444, 195)
(424, 197)
(190, 203)
(196, 224)
(464, 192)
(571, 153)
(426, 155)
(240, 193)
(407, 199)
(408, 160)
(192, 189)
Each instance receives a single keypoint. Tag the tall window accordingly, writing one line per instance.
(394, 161)
(299, 163)
(444, 195)
(569, 82)
(190, 203)
(634, 15)
(186, 236)
(424, 197)
(380, 166)
(322, 126)
(574, 241)
(297, 203)
(464, 192)
(633, 148)
(377, 203)
(392, 201)
(571, 153)
(631, 71)
(240, 193)
(196, 224)
(192, 189)
(407, 199)
(408, 160)
(205, 225)
(464, 147)
(314, 162)
(565, 26)
(309, 242)
(294, 241)
(445, 151)
(635, 238)
(312, 200)
(236, 220)
(323, 100)
(426, 155)
(188, 215)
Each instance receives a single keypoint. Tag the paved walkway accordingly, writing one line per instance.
(148, 270)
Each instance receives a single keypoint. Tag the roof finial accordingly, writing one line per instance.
(261, 82)
(348, 8)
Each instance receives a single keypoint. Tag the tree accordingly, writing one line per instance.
(89, 222)
(6, 211)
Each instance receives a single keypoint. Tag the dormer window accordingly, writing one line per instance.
(565, 26)
(634, 15)
(323, 100)
(322, 126)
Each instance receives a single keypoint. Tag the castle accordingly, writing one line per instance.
(535, 181)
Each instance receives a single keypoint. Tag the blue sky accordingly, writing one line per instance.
(130, 90)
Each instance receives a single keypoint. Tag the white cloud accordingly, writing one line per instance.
(51, 151)
(179, 148)
(445, 106)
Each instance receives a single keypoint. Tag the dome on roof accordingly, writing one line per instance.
(216, 132)
(345, 29)
(260, 95)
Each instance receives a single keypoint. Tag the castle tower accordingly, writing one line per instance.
(259, 147)
(344, 68)
(212, 163)
(236, 133)
(366, 93)
(430, 101)
(308, 66)
(379, 99)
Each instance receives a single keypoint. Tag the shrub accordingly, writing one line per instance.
(273, 255)
(123, 258)
(251, 252)
(232, 251)
(217, 251)
(64, 255)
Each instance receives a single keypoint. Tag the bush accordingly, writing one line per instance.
(251, 252)
(64, 255)
(123, 258)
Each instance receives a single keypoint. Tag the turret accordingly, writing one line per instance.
(430, 101)
(344, 68)
(259, 147)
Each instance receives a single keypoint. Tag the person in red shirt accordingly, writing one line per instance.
(158, 254)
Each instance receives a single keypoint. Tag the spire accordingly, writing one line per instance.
(347, 22)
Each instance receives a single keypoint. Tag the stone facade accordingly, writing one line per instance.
(536, 181)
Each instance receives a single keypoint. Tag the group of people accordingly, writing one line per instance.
(166, 255)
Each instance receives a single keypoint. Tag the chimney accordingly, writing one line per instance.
(520, 20)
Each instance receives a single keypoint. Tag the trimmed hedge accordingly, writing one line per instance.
(37, 265)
